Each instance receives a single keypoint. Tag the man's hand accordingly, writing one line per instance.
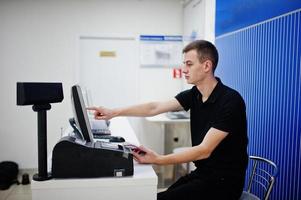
(147, 157)
(102, 113)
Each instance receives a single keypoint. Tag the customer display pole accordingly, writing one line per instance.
(42, 174)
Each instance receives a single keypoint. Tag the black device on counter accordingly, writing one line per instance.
(40, 95)
(82, 157)
(97, 136)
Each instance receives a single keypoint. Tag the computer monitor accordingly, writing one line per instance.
(80, 113)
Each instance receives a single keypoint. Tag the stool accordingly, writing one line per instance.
(188, 167)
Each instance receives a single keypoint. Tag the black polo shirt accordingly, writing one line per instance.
(224, 110)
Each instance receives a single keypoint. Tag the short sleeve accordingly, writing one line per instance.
(231, 114)
(185, 99)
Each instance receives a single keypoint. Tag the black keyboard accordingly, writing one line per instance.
(110, 138)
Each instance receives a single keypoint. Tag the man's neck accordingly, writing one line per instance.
(206, 87)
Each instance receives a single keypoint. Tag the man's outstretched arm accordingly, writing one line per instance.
(142, 110)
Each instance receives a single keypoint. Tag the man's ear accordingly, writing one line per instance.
(208, 66)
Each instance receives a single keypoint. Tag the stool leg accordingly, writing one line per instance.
(187, 168)
(175, 170)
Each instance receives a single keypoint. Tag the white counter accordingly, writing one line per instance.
(162, 118)
(142, 185)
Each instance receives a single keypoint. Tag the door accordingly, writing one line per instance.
(108, 70)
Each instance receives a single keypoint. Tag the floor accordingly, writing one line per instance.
(18, 192)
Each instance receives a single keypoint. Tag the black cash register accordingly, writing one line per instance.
(79, 156)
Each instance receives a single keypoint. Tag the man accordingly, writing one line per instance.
(218, 130)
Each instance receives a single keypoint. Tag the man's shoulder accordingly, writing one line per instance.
(189, 91)
(231, 94)
(230, 91)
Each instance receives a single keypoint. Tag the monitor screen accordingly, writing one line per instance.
(80, 113)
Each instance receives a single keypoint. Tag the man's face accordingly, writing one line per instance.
(193, 69)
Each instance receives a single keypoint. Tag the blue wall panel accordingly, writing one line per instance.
(262, 62)
(235, 14)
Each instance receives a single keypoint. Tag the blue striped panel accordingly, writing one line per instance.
(236, 14)
(263, 63)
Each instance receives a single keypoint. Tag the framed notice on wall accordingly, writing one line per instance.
(160, 50)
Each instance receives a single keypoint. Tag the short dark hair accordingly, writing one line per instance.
(205, 49)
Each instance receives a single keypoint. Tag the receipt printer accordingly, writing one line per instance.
(75, 158)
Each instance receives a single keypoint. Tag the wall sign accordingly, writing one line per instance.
(177, 73)
(160, 50)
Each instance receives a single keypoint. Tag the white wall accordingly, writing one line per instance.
(199, 17)
(194, 20)
(39, 42)
(199, 23)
